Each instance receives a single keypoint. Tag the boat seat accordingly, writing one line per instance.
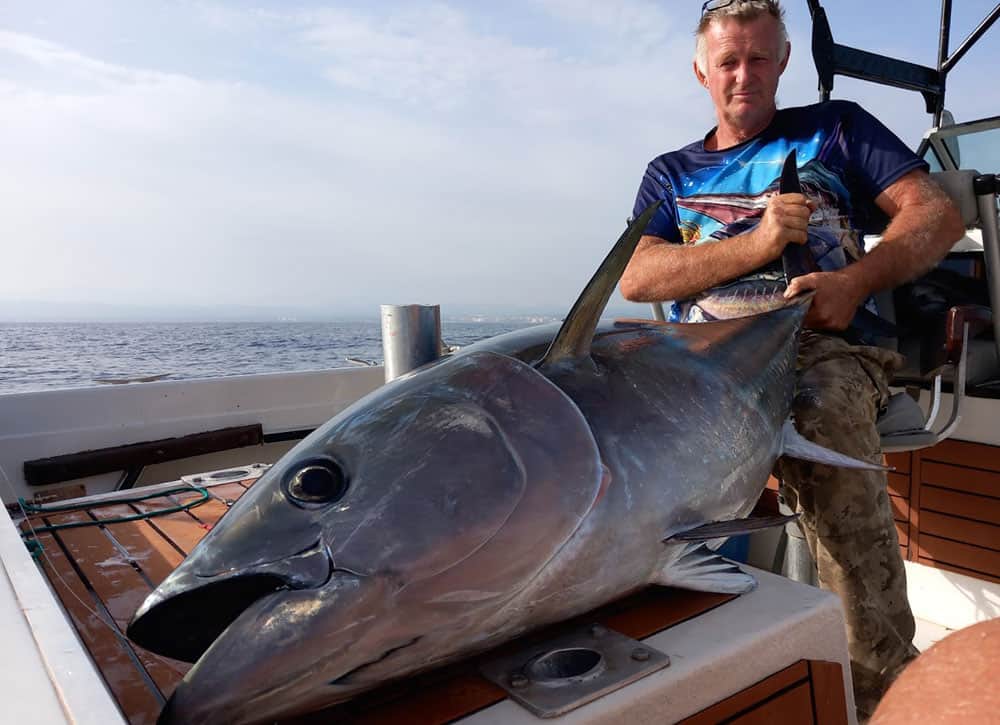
(937, 337)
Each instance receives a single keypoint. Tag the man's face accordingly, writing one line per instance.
(742, 70)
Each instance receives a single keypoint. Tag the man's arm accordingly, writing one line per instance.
(660, 270)
(924, 225)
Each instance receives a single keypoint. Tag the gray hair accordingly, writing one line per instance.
(743, 11)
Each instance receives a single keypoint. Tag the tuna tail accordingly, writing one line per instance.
(795, 446)
(574, 338)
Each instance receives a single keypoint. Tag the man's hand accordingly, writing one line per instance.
(838, 295)
(785, 221)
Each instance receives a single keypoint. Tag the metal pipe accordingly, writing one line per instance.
(986, 188)
(975, 35)
(411, 337)
(943, 56)
(945, 32)
(798, 563)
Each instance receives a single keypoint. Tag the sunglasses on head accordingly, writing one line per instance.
(711, 5)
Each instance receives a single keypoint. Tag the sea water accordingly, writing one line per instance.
(40, 356)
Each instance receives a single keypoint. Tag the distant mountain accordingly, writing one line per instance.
(47, 311)
(44, 311)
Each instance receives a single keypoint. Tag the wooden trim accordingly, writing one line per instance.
(954, 501)
(899, 461)
(899, 483)
(655, 609)
(56, 469)
(735, 705)
(806, 692)
(961, 530)
(957, 503)
(956, 553)
(960, 478)
(900, 508)
(790, 706)
(916, 463)
(829, 699)
(964, 453)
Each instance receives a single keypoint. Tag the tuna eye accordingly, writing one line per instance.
(318, 482)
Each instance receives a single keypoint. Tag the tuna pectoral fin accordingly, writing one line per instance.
(795, 446)
(702, 570)
(735, 527)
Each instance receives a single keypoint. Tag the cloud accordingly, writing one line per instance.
(437, 58)
(61, 60)
(458, 164)
(645, 25)
(341, 157)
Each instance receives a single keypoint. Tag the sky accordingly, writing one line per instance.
(329, 157)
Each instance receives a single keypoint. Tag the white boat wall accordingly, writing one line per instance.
(44, 424)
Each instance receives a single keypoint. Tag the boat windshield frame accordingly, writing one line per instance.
(831, 59)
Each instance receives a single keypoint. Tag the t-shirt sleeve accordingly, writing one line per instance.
(878, 156)
(655, 187)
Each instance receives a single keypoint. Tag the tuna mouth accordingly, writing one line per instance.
(189, 611)
(186, 624)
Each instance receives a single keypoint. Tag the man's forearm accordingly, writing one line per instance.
(925, 226)
(663, 271)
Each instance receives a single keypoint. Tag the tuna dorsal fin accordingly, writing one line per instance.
(577, 332)
(797, 259)
(789, 182)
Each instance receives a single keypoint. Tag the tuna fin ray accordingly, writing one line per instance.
(733, 527)
(577, 332)
(701, 569)
(794, 445)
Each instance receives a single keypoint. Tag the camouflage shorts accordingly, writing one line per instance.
(845, 515)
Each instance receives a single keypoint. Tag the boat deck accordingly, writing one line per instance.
(103, 571)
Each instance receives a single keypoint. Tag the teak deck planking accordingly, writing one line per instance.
(102, 573)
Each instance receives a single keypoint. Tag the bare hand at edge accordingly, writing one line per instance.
(837, 298)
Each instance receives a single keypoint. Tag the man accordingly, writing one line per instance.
(715, 247)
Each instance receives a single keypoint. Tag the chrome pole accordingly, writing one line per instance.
(411, 337)
(987, 189)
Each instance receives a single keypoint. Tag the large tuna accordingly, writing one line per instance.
(524, 480)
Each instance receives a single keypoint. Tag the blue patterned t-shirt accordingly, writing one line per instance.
(846, 158)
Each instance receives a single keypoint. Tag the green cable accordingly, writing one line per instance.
(35, 548)
(33, 508)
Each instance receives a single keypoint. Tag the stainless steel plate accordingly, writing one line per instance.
(551, 678)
